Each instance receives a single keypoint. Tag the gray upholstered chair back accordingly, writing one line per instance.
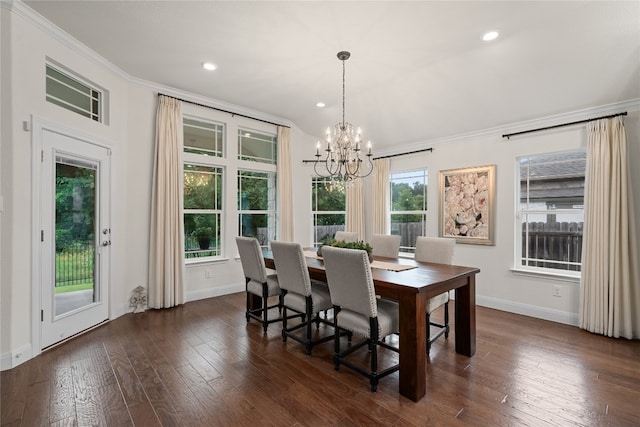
(435, 249)
(346, 236)
(291, 267)
(251, 259)
(350, 281)
(385, 245)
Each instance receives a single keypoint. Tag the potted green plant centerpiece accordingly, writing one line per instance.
(349, 245)
(203, 234)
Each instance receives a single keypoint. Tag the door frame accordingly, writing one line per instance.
(38, 126)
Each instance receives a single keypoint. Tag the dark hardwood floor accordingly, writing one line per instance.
(201, 364)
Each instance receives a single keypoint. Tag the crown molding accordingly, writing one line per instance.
(628, 105)
(208, 102)
(24, 11)
(55, 32)
(21, 9)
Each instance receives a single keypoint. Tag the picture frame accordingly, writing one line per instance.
(467, 204)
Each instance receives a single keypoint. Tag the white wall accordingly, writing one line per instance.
(131, 128)
(24, 54)
(497, 286)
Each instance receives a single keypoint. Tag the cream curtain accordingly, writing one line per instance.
(166, 242)
(610, 284)
(380, 196)
(285, 193)
(355, 208)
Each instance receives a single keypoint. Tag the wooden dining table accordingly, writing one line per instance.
(412, 287)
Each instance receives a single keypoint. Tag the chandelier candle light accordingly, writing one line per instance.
(342, 159)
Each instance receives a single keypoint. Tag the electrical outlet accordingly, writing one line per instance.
(557, 292)
(207, 274)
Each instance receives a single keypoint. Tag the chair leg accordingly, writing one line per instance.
(446, 319)
(284, 323)
(309, 315)
(336, 339)
(373, 347)
(265, 310)
(428, 338)
(248, 307)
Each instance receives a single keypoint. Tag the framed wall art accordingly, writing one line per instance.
(467, 200)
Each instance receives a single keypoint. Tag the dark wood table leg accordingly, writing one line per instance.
(413, 360)
(466, 318)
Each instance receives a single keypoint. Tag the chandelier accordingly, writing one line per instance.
(342, 158)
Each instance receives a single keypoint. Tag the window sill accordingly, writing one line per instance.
(546, 274)
(209, 260)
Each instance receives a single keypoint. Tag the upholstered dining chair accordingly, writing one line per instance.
(346, 236)
(258, 282)
(300, 294)
(356, 309)
(438, 250)
(385, 245)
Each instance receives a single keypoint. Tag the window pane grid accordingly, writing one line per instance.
(204, 138)
(257, 147)
(71, 94)
(203, 190)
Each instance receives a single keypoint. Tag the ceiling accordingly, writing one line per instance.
(418, 72)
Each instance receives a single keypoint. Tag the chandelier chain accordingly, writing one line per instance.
(343, 91)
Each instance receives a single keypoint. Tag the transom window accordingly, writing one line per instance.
(201, 137)
(328, 208)
(408, 207)
(551, 211)
(73, 94)
(257, 146)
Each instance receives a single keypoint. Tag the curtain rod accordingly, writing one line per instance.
(403, 154)
(224, 111)
(376, 158)
(508, 135)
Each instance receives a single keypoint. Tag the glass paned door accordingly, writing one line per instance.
(75, 236)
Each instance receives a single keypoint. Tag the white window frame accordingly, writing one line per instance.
(199, 159)
(244, 132)
(222, 133)
(98, 116)
(315, 212)
(271, 202)
(522, 212)
(231, 163)
(416, 173)
(219, 212)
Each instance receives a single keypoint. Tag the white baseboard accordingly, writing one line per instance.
(5, 361)
(528, 310)
(13, 359)
(215, 292)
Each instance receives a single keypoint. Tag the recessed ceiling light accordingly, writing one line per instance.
(491, 35)
(209, 66)
(321, 105)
